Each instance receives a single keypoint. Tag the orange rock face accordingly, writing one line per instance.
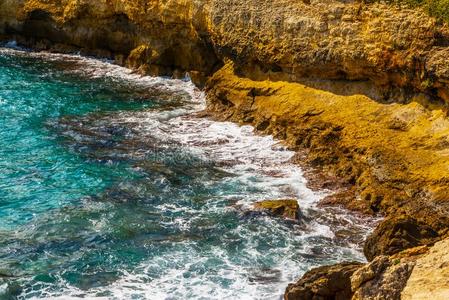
(361, 90)
(286, 208)
(286, 40)
(402, 172)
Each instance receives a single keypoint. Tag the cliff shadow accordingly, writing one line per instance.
(39, 24)
(340, 83)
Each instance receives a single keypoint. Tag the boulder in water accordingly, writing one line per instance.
(286, 208)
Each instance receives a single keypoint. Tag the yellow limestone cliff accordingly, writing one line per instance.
(359, 89)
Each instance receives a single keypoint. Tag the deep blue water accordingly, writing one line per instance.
(111, 187)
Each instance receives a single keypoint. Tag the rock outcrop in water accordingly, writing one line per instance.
(287, 208)
(360, 90)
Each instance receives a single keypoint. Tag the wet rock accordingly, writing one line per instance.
(280, 40)
(383, 278)
(265, 275)
(4, 274)
(297, 70)
(286, 208)
(324, 283)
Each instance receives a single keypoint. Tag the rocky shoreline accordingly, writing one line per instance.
(359, 90)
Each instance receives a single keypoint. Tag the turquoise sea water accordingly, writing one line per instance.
(112, 188)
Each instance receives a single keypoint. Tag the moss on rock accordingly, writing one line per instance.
(287, 208)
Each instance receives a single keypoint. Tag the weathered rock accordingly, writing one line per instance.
(430, 276)
(396, 234)
(398, 173)
(416, 273)
(393, 47)
(286, 208)
(389, 277)
(336, 79)
(324, 283)
(393, 157)
(383, 278)
(158, 37)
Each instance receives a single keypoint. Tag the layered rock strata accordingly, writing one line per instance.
(359, 90)
(301, 41)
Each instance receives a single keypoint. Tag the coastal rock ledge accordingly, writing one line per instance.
(359, 89)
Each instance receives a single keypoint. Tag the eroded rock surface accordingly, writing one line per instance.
(402, 173)
(286, 208)
(415, 273)
(383, 278)
(327, 282)
(430, 276)
(397, 233)
(278, 40)
(359, 89)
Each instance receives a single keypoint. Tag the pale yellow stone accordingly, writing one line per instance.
(430, 277)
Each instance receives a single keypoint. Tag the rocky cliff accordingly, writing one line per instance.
(359, 90)
(300, 41)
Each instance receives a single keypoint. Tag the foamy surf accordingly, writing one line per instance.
(214, 249)
(251, 158)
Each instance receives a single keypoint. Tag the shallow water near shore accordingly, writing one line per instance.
(111, 187)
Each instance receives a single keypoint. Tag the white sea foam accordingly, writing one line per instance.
(259, 162)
